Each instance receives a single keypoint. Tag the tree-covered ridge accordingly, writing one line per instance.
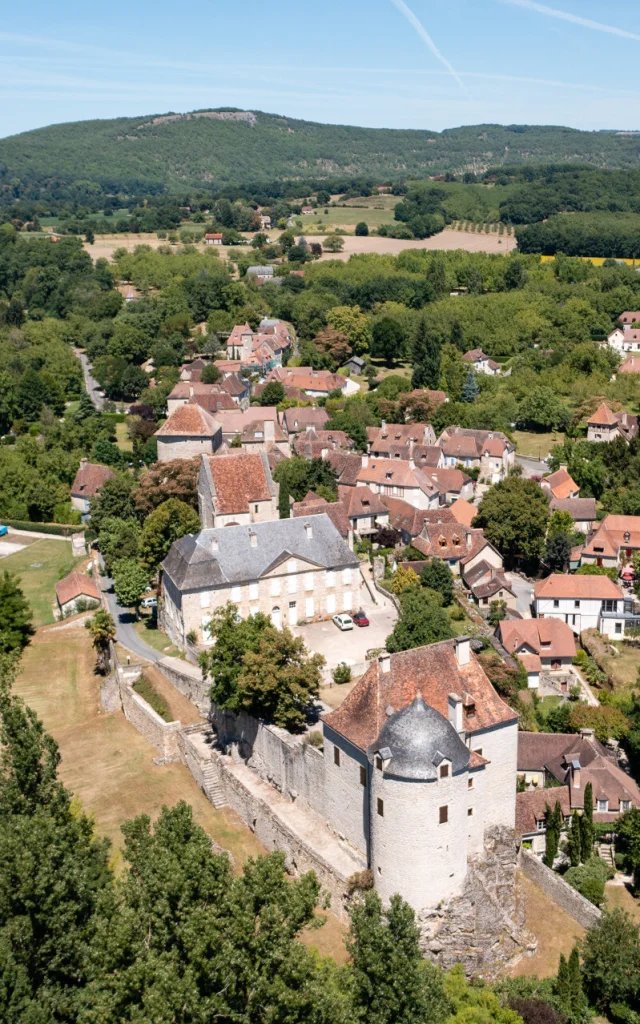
(145, 151)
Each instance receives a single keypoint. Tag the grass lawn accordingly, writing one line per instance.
(123, 441)
(619, 896)
(40, 566)
(536, 445)
(147, 630)
(547, 704)
(555, 931)
(105, 760)
(623, 667)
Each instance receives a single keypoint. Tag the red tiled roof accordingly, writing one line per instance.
(238, 479)
(463, 511)
(406, 517)
(189, 420)
(361, 501)
(89, 479)
(577, 587)
(549, 638)
(433, 670)
(346, 466)
(336, 511)
(630, 365)
(301, 418)
(531, 807)
(629, 317)
(603, 417)
(446, 480)
(310, 444)
(614, 532)
(76, 584)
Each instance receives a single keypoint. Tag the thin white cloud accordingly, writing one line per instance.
(427, 40)
(575, 19)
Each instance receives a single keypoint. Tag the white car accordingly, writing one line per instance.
(149, 602)
(343, 621)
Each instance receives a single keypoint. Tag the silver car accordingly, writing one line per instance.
(343, 621)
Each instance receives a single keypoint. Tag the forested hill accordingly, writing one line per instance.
(219, 147)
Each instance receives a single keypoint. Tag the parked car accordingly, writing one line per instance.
(149, 602)
(4, 531)
(360, 618)
(343, 621)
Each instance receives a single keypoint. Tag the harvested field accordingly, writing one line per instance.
(447, 239)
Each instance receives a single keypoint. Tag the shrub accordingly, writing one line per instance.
(314, 739)
(145, 689)
(360, 881)
(342, 673)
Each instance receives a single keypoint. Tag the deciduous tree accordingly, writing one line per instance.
(169, 522)
(16, 617)
(514, 515)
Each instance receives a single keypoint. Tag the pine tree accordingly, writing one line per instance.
(426, 357)
(16, 626)
(283, 500)
(586, 824)
(575, 841)
(470, 390)
(85, 408)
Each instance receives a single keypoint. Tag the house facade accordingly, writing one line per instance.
(606, 425)
(481, 363)
(396, 478)
(491, 452)
(613, 543)
(584, 602)
(292, 570)
(75, 591)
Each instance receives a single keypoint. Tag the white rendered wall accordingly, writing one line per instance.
(346, 799)
(500, 747)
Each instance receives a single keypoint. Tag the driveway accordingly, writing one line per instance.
(124, 620)
(90, 382)
(532, 467)
(524, 593)
(325, 638)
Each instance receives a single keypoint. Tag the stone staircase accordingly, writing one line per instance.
(605, 851)
(213, 787)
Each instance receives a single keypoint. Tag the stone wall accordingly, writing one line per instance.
(162, 735)
(188, 682)
(294, 768)
(555, 887)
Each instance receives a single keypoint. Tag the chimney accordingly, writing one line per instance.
(309, 427)
(463, 650)
(269, 430)
(214, 543)
(575, 774)
(426, 431)
(191, 391)
(253, 538)
(83, 463)
(384, 661)
(563, 465)
(587, 734)
(383, 428)
(365, 461)
(412, 464)
(469, 539)
(323, 453)
(455, 711)
(308, 529)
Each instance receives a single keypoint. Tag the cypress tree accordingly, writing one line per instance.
(426, 357)
(552, 837)
(575, 985)
(586, 824)
(575, 840)
(470, 390)
(562, 986)
(283, 500)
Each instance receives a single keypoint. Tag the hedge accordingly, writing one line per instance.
(54, 528)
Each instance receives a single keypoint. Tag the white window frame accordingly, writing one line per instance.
(346, 577)
(309, 581)
(254, 591)
(236, 594)
(276, 589)
(330, 578)
(204, 598)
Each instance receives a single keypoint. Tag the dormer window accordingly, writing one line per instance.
(627, 537)
(388, 476)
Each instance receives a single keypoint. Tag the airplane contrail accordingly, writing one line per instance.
(426, 38)
(575, 19)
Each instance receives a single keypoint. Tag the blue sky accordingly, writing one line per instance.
(433, 64)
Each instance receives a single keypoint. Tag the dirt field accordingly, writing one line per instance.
(447, 239)
(105, 245)
(555, 931)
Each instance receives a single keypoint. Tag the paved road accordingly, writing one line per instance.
(124, 620)
(523, 592)
(531, 467)
(90, 382)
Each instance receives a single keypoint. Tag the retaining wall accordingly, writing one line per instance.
(294, 768)
(554, 886)
(192, 685)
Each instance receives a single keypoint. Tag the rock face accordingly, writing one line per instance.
(484, 928)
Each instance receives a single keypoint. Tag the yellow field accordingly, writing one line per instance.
(597, 260)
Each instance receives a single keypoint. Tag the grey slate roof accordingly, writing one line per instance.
(193, 564)
(419, 738)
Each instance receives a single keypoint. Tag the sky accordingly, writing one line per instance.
(427, 64)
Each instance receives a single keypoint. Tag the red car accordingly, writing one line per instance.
(360, 618)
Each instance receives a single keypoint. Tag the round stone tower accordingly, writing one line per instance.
(419, 807)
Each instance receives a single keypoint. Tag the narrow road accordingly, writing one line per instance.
(124, 620)
(90, 382)
(531, 467)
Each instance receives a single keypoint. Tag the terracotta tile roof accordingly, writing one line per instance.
(76, 584)
(406, 517)
(381, 438)
(346, 466)
(561, 484)
(301, 418)
(609, 782)
(630, 365)
(580, 509)
(433, 670)
(307, 379)
(474, 355)
(237, 420)
(229, 365)
(531, 807)
(603, 417)
(463, 511)
(310, 444)
(449, 480)
(478, 572)
(530, 662)
(550, 638)
(361, 501)
(629, 317)
(577, 587)
(615, 532)
(336, 511)
(426, 456)
(89, 479)
(215, 401)
(483, 438)
(234, 385)
(189, 420)
(448, 539)
(239, 478)
(396, 473)
(460, 447)
(492, 586)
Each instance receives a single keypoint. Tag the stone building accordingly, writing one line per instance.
(189, 431)
(87, 483)
(490, 451)
(606, 425)
(236, 488)
(420, 762)
(292, 570)
(74, 591)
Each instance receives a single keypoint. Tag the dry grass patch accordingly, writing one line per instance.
(105, 761)
(555, 931)
(620, 896)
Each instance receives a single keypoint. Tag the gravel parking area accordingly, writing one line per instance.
(351, 646)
